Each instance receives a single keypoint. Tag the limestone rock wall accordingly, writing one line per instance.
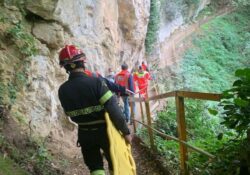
(109, 31)
(174, 16)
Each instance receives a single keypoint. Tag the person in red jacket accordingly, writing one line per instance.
(144, 66)
(141, 77)
(125, 79)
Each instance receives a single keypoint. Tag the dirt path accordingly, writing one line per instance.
(145, 164)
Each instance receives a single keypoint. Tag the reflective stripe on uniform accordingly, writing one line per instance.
(85, 111)
(98, 172)
(141, 75)
(92, 123)
(105, 97)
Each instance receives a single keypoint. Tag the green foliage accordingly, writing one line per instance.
(35, 157)
(236, 103)
(24, 41)
(8, 167)
(166, 120)
(20, 62)
(230, 156)
(219, 50)
(197, 162)
(12, 92)
(192, 2)
(2, 92)
(202, 131)
(9, 90)
(153, 26)
(240, 3)
(222, 48)
(167, 149)
(170, 151)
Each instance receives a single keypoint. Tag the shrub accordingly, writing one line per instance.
(153, 26)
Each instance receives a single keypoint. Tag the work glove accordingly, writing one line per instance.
(128, 139)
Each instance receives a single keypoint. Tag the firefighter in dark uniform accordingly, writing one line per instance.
(85, 100)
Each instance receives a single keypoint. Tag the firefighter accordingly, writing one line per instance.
(141, 77)
(125, 79)
(85, 100)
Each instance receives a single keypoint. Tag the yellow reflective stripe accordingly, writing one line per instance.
(141, 75)
(92, 123)
(105, 97)
(85, 111)
(98, 172)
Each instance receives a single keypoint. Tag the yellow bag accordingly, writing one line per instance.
(120, 151)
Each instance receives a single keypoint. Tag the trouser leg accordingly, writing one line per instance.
(92, 157)
(91, 144)
(105, 146)
(126, 108)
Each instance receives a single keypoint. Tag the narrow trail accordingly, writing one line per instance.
(145, 163)
(173, 48)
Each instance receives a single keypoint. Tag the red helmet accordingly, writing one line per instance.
(70, 54)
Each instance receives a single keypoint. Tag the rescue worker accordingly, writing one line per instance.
(92, 74)
(115, 88)
(111, 75)
(85, 100)
(125, 79)
(144, 66)
(141, 77)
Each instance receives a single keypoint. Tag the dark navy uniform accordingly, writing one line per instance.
(85, 100)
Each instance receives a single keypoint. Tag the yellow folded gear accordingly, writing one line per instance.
(120, 151)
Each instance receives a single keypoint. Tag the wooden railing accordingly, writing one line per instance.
(181, 123)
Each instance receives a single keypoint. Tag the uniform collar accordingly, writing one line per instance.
(73, 75)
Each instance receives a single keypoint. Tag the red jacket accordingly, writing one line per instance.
(92, 74)
(144, 67)
(142, 80)
(122, 78)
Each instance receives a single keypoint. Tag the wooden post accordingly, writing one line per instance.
(180, 112)
(142, 113)
(133, 115)
(149, 123)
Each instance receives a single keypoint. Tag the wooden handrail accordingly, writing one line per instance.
(181, 124)
(186, 94)
(161, 96)
(169, 137)
(199, 95)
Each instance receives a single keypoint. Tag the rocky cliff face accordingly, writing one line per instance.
(108, 31)
(174, 16)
